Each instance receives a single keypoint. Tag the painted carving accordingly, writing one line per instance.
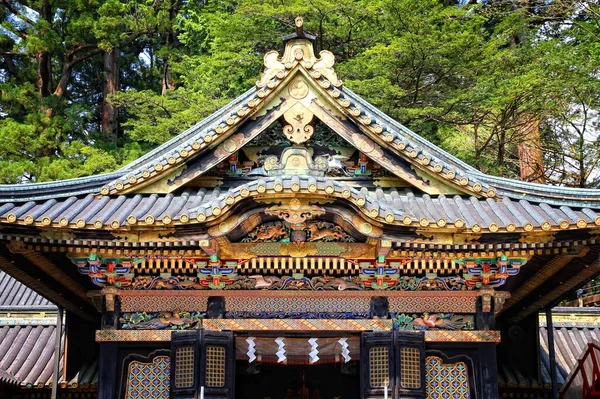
(115, 272)
(431, 283)
(214, 274)
(379, 276)
(295, 161)
(160, 320)
(490, 272)
(233, 281)
(297, 315)
(429, 321)
(295, 211)
(269, 232)
(311, 231)
(322, 231)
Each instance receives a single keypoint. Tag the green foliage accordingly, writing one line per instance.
(470, 78)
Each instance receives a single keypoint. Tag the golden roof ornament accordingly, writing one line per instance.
(299, 50)
(299, 22)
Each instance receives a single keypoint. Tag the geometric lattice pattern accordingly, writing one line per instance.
(462, 336)
(431, 303)
(215, 366)
(292, 303)
(446, 381)
(184, 367)
(379, 367)
(148, 380)
(410, 368)
(296, 325)
(166, 301)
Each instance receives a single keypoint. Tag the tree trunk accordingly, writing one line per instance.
(167, 79)
(44, 69)
(44, 73)
(531, 158)
(110, 123)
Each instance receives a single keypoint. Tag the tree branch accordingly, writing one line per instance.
(8, 4)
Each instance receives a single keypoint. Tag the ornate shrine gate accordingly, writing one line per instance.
(299, 222)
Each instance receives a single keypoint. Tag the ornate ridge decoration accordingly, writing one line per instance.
(294, 282)
(430, 321)
(299, 51)
(295, 211)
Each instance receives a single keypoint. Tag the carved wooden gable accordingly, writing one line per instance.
(298, 120)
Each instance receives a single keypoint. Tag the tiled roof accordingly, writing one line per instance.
(391, 206)
(27, 344)
(400, 137)
(27, 359)
(15, 296)
(27, 354)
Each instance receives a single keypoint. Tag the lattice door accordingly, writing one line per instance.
(217, 364)
(376, 364)
(409, 348)
(185, 370)
(199, 359)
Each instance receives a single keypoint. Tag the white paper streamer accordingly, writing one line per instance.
(251, 351)
(280, 350)
(314, 351)
(345, 352)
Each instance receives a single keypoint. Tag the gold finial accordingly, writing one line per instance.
(299, 22)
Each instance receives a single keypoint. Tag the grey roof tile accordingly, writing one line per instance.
(379, 202)
(16, 296)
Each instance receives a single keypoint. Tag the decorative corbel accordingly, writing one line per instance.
(379, 275)
(486, 295)
(105, 272)
(214, 274)
(490, 304)
(210, 247)
(110, 308)
(490, 272)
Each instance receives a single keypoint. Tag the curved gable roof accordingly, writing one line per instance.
(425, 158)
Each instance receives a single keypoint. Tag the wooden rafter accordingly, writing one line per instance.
(539, 278)
(588, 272)
(12, 266)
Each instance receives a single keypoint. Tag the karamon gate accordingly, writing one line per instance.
(299, 243)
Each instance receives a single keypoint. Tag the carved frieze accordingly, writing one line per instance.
(311, 231)
(431, 321)
(293, 282)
